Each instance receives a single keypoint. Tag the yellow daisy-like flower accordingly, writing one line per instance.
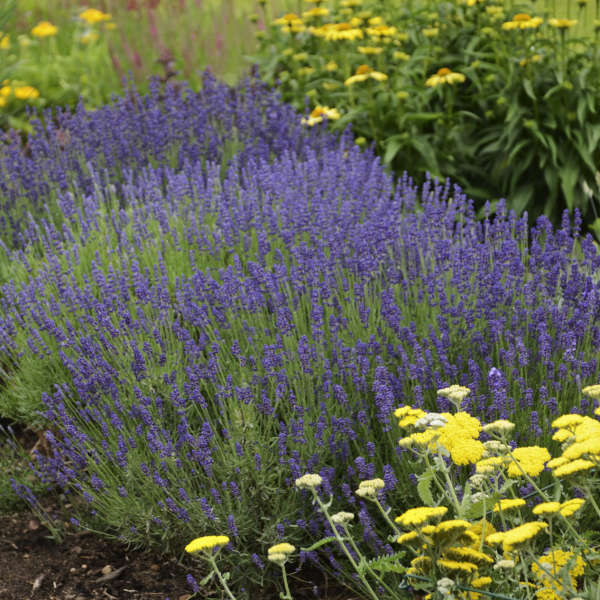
(530, 459)
(562, 23)
(505, 504)
(370, 49)
(546, 508)
(207, 542)
(26, 92)
(445, 75)
(521, 534)
(398, 55)
(381, 31)
(319, 113)
(363, 73)
(522, 21)
(455, 565)
(44, 29)
(317, 11)
(333, 32)
(286, 19)
(570, 507)
(593, 391)
(576, 466)
(93, 16)
(430, 32)
(414, 517)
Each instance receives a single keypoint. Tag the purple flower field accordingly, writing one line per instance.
(203, 300)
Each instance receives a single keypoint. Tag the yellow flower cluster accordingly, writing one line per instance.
(529, 459)
(566, 509)
(548, 571)
(454, 544)
(207, 542)
(333, 32)
(513, 538)
(279, 552)
(581, 444)
(562, 23)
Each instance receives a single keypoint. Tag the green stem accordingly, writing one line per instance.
(288, 594)
(386, 516)
(211, 560)
(340, 541)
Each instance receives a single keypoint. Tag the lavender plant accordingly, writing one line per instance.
(204, 332)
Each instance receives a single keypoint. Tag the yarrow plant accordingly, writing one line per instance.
(489, 544)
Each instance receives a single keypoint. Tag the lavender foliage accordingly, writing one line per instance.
(202, 329)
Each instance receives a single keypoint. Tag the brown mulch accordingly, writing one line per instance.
(85, 566)
(82, 567)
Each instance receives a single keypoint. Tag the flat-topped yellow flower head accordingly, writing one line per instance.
(445, 75)
(207, 542)
(562, 23)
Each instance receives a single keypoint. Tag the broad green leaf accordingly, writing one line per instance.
(392, 146)
(424, 488)
(528, 88)
(569, 174)
(422, 116)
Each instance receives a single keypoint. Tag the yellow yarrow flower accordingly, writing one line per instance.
(480, 582)
(44, 29)
(521, 534)
(562, 23)
(333, 32)
(593, 391)
(468, 554)
(546, 508)
(573, 467)
(414, 517)
(589, 447)
(567, 421)
(283, 548)
(207, 542)
(445, 75)
(570, 507)
(455, 565)
(499, 426)
(398, 55)
(505, 504)
(93, 16)
(530, 459)
(562, 435)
